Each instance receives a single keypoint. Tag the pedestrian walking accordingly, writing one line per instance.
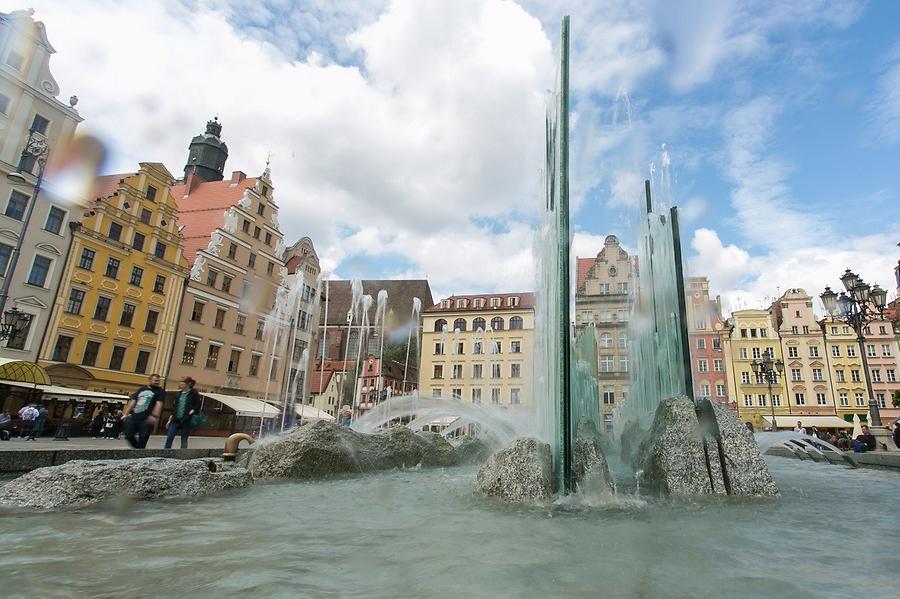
(27, 414)
(142, 412)
(187, 403)
(39, 421)
(97, 425)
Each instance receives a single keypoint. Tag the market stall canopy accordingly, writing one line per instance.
(245, 406)
(20, 371)
(66, 393)
(311, 413)
(789, 422)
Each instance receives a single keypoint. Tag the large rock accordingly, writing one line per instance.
(709, 454)
(84, 482)
(589, 465)
(326, 448)
(473, 450)
(520, 473)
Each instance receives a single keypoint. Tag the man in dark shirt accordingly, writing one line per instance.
(865, 441)
(142, 412)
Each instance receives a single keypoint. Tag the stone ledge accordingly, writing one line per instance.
(871, 459)
(27, 460)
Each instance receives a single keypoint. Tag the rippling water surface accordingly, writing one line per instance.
(422, 533)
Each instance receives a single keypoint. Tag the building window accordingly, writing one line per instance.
(117, 357)
(839, 374)
(851, 351)
(115, 231)
(226, 283)
(478, 323)
(268, 239)
(793, 352)
(761, 398)
(137, 274)
(15, 207)
(623, 340)
(805, 329)
(748, 400)
(477, 371)
(854, 376)
(438, 372)
(720, 390)
(879, 397)
(112, 268)
(270, 268)
(219, 322)
(776, 400)
(860, 400)
(885, 351)
(820, 399)
(497, 323)
(232, 251)
(606, 364)
(814, 351)
(143, 357)
(245, 227)
(212, 356)
(836, 351)
(160, 251)
(718, 365)
(701, 343)
(495, 396)
(76, 300)
(495, 371)
(459, 348)
(273, 372)
(742, 353)
(261, 209)
(606, 340)
(800, 399)
(91, 349)
(514, 398)
(55, 220)
(870, 351)
(796, 375)
(211, 277)
(239, 326)
(138, 242)
(190, 351)
(876, 375)
(101, 311)
(717, 343)
(757, 353)
(251, 260)
(127, 316)
(197, 312)
(62, 348)
(159, 286)
(515, 347)
(704, 390)
(516, 323)
(145, 216)
(254, 364)
(256, 232)
(477, 348)
(4, 104)
(476, 396)
(609, 395)
(87, 259)
(457, 371)
(152, 318)
(515, 371)
(745, 378)
(817, 374)
(151, 193)
(234, 361)
(891, 376)
(260, 327)
(623, 364)
(40, 268)
(845, 401)
(703, 365)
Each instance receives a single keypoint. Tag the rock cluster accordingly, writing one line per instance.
(473, 450)
(703, 450)
(589, 465)
(326, 448)
(520, 473)
(84, 482)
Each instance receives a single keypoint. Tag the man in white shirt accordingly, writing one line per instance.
(799, 428)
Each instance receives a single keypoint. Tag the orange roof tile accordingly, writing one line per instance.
(583, 265)
(203, 211)
(320, 381)
(526, 300)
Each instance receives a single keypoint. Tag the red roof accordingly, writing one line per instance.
(583, 265)
(320, 381)
(105, 186)
(203, 211)
(526, 300)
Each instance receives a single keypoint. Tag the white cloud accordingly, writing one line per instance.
(726, 266)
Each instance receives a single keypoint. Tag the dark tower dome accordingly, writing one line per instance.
(207, 154)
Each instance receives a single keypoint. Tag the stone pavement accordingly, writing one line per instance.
(19, 455)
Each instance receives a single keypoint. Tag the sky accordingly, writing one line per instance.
(406, 137)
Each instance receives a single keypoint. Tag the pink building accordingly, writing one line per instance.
(704, 325)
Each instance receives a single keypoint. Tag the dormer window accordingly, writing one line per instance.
(479, 303)
(512, 302)
(495, 302)
(445, 304)
(461, 303)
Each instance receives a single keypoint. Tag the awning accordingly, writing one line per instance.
(311, 412)
(23, 372)
(790, 421)
(66, 393)
(444, 421)
(245, 406)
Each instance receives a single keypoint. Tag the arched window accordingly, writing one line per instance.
(515, 323)
(460, 324)
(478, 323)
(606, 340)
(497, 323)
(439, 325)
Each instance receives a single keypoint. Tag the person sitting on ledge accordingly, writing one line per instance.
(865, 441)
(799, 428)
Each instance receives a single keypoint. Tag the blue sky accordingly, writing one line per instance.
(407, 136)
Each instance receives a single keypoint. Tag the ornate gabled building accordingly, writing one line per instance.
(705, 324)
(29, 108)
(226, 340)
(604, 296)
(303, 269)
(113, 321)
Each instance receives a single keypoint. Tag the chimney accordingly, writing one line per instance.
(237, 177)
(191, 182)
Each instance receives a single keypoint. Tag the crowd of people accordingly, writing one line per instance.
(136, 421)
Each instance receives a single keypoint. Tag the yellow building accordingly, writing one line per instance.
(846, 369)
(745, 336)
(479, 348)
(114, 319)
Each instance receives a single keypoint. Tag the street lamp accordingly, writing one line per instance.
(768, 369)
(36, 147)
(859, 306)
(14, 320)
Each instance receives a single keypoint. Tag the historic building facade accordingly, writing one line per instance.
(705, 325)
(29, 106)
(845, 369)
(604, 296)
(303, 270)
(113, 321)
(479, 349)
(226, 340)
(806, 373)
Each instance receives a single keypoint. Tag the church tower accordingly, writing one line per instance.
(208, 154)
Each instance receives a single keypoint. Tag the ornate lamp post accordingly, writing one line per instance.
(36, 147)
(768, 369)
(861, 305)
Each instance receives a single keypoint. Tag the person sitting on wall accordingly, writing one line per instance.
(799, 428)
(865, 441)
(186, 404)
(97, 424)
(5, 426)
